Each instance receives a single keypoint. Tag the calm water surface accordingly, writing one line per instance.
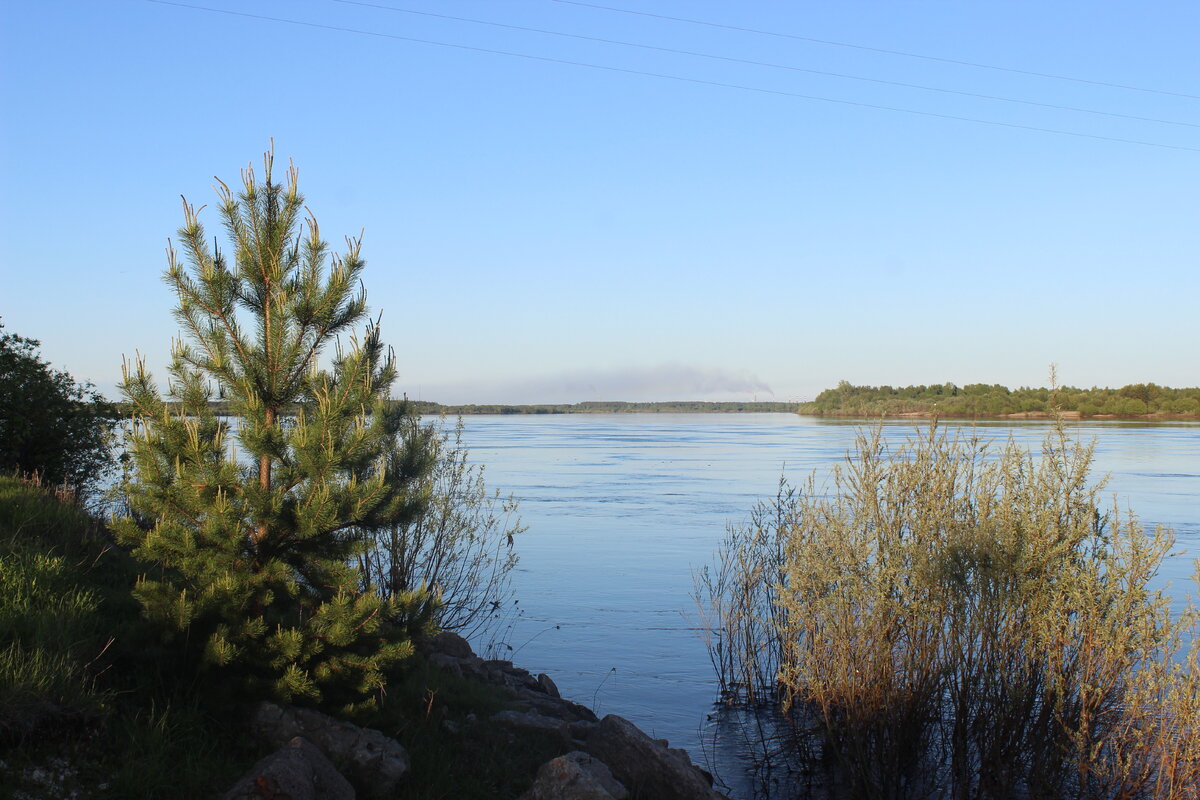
(623, 508)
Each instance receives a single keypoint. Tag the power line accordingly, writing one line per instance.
(771, 65)
(665, 76)
(903, 53)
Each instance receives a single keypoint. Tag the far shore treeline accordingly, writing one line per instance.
(980, 400)
(427, 407)
(946, 400)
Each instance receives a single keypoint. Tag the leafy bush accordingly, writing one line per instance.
(49, 424)
(952, 621)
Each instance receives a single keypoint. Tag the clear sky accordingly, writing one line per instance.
(541, 231)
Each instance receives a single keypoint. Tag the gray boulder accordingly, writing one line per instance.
(531, 720)
(373, 762)
(296, 771)
(547, 685)
(575, 776)
(451, 644)
(646, 766)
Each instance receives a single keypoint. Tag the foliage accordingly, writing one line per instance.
(460, 548)
(251, 524)
(78, 685)
(949, 621)
(983, 400)
(49, 424)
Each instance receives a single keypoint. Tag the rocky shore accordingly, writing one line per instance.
(318, 756)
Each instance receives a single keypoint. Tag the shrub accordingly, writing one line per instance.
(459, 548)
(953, 621)
(49, 424)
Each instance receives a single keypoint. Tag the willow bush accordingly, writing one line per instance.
(949, 619)
(458, 552)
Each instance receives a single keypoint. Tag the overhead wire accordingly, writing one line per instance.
(903, 53)
(750, 62)
(667, 76)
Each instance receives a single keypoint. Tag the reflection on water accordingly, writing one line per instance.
(622, 508)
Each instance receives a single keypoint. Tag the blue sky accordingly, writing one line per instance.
(538, 231)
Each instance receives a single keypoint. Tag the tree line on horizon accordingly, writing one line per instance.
(432, 408)
(993, 400)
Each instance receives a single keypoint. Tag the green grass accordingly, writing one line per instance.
(80, 682)
(52, 628)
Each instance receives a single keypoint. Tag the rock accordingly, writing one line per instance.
(467, 667)
(644, 765)
(296, 771)
(503, 673)
(548, 686)
(451, 644)
(373, 762)
(531, 720)
(575, 776)
(448, 663)
(551, 707)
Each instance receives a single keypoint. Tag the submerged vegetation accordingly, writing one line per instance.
(979, 400)
(945, 620)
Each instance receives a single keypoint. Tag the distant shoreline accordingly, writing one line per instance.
(1143, 402)
(1068, 415)
(607, 407)
(1137, 401)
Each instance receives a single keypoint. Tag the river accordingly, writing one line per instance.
(623, 508)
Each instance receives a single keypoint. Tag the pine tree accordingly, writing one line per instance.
(251, 518)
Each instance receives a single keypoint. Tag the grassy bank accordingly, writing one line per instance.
(88, 702)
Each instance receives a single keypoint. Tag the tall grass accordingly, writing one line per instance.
(951, 620)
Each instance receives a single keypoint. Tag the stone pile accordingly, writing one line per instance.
(609, 759)
(602, 759)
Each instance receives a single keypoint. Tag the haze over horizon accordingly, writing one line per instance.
(666, 200)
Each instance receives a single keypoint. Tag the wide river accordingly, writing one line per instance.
(623, 508)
